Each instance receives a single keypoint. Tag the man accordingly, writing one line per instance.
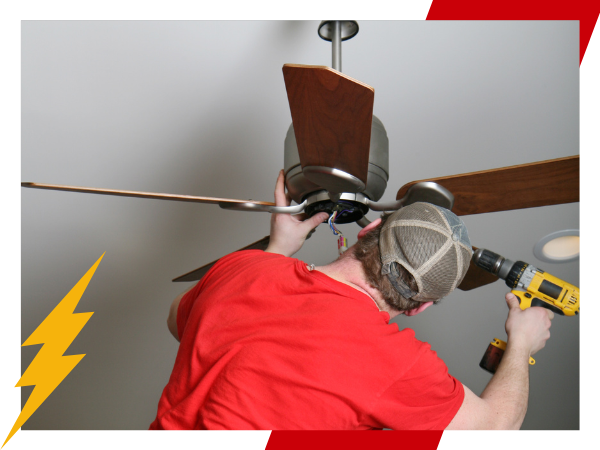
(268, 342)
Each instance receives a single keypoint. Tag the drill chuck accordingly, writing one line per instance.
(487, 260)
(492, 263)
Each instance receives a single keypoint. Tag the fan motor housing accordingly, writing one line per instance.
(299, 187)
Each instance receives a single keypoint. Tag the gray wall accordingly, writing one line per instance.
(200, 108)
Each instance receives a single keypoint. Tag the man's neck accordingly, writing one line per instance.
(349, 270)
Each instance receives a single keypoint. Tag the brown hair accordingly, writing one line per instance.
(366, 250)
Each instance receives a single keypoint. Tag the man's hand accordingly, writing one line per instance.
(528, 329)
(503, 403)
(288, 232)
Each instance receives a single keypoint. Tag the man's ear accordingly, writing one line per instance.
(368, 228)
(415, 311)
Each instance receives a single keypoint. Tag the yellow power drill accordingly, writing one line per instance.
(532, 287)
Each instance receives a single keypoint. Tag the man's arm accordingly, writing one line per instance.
(172, 319)
(288, 232)
(503, 403)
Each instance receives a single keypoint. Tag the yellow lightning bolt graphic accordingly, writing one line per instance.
(49, 368)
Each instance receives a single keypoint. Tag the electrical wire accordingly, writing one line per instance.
(331, 222)
(342, 242)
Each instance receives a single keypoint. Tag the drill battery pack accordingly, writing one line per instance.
(493, 355)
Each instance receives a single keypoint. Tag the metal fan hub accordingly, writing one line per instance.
(302, 182)
(335, 180)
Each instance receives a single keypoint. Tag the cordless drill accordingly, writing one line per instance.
(532, 287)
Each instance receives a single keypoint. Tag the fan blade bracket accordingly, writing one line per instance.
(425, 191)
(333, 180)
(296, 209)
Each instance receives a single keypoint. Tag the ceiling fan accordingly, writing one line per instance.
(336, 158)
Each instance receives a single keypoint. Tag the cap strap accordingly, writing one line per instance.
(393, 274)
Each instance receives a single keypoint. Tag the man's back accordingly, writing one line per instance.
(268, 344)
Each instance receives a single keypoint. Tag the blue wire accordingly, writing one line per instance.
(346, 210)
(331, 224)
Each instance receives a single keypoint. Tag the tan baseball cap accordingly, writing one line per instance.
(432, 244)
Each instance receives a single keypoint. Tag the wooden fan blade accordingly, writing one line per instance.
(332, 115)
(138, 194)
(476, 277)
(543, 183)
(198, 273)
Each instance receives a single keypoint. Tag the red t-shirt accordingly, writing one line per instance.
(268, 344)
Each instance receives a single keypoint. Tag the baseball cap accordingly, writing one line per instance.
(431, 243)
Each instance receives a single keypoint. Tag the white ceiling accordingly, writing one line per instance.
(200, 108)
